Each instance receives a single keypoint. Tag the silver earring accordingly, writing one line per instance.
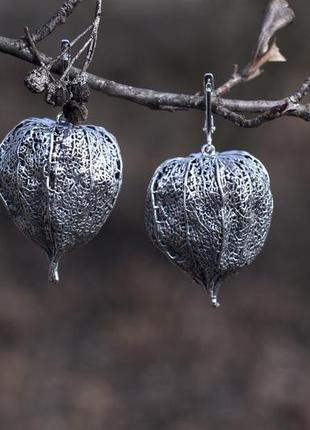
(59, 181)
(210, 212)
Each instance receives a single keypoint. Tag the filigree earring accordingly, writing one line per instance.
(210, 212)
(59, 180)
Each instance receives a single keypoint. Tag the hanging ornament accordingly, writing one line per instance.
(210, 212)
(59, 181)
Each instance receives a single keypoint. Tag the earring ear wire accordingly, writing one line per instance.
(210, 212)
(209, 128)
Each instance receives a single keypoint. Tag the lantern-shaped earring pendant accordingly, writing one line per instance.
(59, 182)
(210, 212)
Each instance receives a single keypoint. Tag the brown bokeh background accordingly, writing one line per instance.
(128, 341)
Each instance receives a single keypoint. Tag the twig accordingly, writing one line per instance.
(234, 80)
(33, 46)
(75, 58)
(59, 18)
(301, 92)
(74, 41)
(241, 121)
(94, 36)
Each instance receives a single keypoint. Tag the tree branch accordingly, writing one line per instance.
(226, 108)
(59, 18)
(277, 15)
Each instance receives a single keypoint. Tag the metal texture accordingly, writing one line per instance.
(209, 128)
(59, 182)
(210, 213)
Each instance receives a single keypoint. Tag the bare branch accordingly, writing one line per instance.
(94, 36)
(241, 121)
(235, 79)
(277, 15)
(33, 46)
(58, 19)
(226, 108)
(75, 58)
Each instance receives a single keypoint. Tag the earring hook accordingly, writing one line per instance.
(209, 128)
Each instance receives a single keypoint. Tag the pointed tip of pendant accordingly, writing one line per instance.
(215, 303)
(213, 297)
(53, 275)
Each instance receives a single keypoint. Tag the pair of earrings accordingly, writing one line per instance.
(209, 212)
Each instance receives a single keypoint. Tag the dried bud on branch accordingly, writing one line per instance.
(57, 94)
(79, 89)
(75, 112)
(37, 80)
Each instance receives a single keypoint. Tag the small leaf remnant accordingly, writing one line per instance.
(278, 14)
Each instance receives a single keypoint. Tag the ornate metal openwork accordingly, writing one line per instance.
(59, 182)
(210, 212)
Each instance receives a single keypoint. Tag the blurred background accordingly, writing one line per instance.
(128, 341)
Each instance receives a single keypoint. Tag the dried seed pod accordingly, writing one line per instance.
(57, 93)
(79, 89)
(210, 213)
(75, 112)
(59, 182)
(37, 80)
